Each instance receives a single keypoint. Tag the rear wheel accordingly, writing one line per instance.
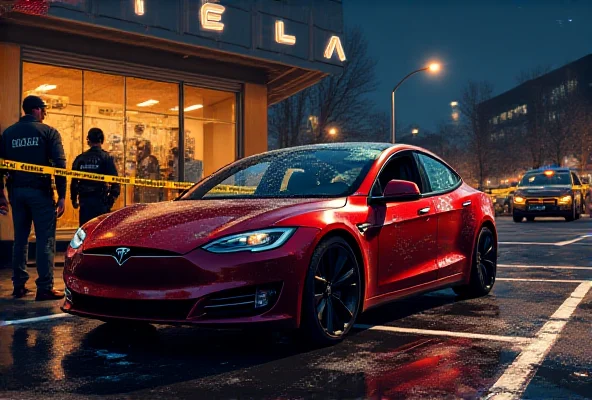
(484, 267)
(332, 293)
(517, 219)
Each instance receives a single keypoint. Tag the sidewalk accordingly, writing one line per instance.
(27, 307)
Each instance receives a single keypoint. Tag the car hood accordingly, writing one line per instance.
(544, 191)
(181, 226)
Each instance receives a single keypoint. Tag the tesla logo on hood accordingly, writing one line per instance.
(121, 255)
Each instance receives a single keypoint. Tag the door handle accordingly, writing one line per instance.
(467, 203)
(424, 210)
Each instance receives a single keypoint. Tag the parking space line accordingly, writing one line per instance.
(542, 266)
(518, 375)
(543, 280)
(511, 339)
(564, 243)
(35, 319)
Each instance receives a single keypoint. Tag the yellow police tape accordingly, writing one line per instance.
(45, 170)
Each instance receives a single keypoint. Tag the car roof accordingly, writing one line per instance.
(542, 169)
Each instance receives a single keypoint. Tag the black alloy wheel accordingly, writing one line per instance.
(333, 292)
(484, 267)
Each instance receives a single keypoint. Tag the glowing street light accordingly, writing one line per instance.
(415, 131)
(432, 68)
(333, 131)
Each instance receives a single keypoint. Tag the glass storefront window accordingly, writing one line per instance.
(140, 120)
(61, 89)
(104, 109)
(210, 131)
(152, 118)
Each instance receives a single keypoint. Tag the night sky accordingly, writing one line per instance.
(490, 40)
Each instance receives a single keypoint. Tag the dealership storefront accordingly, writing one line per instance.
(180, 87)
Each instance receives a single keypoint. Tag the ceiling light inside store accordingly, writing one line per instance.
(194, 107)
(190, 108)
(45, 88)
(148, 103)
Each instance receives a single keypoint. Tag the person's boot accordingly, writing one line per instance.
(52, 294)
(20, 292)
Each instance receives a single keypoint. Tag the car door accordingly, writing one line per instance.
(454, 210)
(578, 192)
(407, 231)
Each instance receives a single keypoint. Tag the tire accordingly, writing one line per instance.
(530, 219)
(483, 266)
(517, 219)
(333, 266)
(572, 217)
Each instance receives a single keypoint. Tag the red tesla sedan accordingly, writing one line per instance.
(305, 237)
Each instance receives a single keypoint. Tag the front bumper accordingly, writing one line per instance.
(198, 288)
(550, 207)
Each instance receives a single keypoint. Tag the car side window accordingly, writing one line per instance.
(576, 180)
(440, 177)
(400, 167)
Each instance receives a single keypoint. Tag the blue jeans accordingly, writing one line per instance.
(35, 206)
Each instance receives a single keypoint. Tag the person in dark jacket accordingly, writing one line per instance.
(95, 198)
(31, 195)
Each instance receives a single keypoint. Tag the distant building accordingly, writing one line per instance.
(536, 103)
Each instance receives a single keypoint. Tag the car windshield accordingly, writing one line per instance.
(546, 179)
(320, 171)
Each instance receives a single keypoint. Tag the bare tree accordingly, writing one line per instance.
(534, 73)
(287, 120)
(338, 101)
(477, 126)
(583, 137)
(565, 122)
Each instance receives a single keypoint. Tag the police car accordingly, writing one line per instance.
(548, 192)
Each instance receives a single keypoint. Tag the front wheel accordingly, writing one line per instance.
(332, 293)
(573, 215)
(484, 267)
(517, 219)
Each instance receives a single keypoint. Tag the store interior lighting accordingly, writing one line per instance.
(189, 108)
(45, 88)
(148, 103)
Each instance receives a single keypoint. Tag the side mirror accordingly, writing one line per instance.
(397, 190)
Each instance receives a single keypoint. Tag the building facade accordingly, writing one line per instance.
(543, 117)
(180, 87)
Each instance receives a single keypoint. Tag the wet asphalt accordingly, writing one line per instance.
(432, 346)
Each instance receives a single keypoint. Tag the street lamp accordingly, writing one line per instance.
(433, 68)
(333, 131)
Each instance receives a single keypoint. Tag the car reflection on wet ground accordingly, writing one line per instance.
(433, 346)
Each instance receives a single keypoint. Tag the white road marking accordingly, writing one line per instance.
(33, 320)
(564, 243)
(542, 266)
(529, 243)
(430, 332)
(516, 378)
(543, 280)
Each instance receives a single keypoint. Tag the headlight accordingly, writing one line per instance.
(519, 200)
(565, 199)
(261, 240)
(78, 238)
